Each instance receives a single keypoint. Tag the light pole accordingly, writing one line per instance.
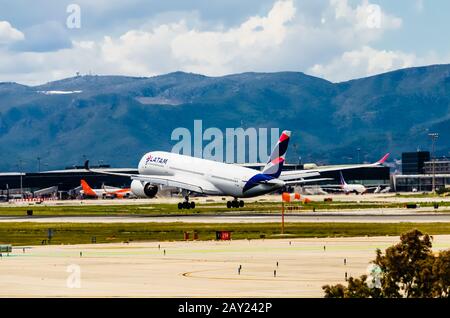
(434, 137)
(359, 150)
(39, 163)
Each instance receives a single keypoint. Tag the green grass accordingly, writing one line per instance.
(20, 234)
(203, 208)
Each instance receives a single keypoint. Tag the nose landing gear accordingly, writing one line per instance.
(235, 204)
(186, 204)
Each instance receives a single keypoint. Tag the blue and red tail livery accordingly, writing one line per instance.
(275, 163)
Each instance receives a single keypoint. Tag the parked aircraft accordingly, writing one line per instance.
(104, 193)
(350, 188)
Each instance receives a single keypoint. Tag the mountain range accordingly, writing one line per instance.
(115, 119)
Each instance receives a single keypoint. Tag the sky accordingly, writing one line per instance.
(338, 40)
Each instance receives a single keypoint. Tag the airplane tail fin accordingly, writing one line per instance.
(382, 160)
(342, 179)
(86, 188)
(275, 163)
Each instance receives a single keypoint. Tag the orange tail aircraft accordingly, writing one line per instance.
(104, 193)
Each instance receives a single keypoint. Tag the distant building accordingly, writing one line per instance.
(440, 167)
(64, 179)
(417, 173)
(420, 182)
(369, 177)
(413, 162)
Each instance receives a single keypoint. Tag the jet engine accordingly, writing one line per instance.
(143, 190)
(308, 166)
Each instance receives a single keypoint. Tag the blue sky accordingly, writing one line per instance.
(334, 39)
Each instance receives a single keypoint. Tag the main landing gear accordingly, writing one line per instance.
(235, 204)
(186, 204)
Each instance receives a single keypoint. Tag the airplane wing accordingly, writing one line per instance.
(185, 183)
(331, 186)
(356, 166)
(299, 174)
(370, 188)
(332, 189)
(302, 181)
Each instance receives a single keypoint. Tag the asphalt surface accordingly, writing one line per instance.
(384, 197)
(191, 269)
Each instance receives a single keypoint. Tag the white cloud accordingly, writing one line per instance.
(39, 67)
(210, 52)
(284, 39)
(366, 15)
(159, 49)
(331, 39)
(9, 34)
(365, 61)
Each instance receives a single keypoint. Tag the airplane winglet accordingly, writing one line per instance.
(86, 165)
(382, 160)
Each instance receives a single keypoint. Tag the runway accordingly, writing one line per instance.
(190, 269)
(317, 217)
(366, 198)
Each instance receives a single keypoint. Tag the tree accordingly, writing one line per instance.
(406, 266)
(407, 269)
(358, 287)
(336, 291)
(441, 272)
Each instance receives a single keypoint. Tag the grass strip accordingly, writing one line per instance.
(19, 234)
(208, 208)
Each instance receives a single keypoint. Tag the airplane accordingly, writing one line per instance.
(196, 175)
(350, 188)
(386, 190)
(104, 192)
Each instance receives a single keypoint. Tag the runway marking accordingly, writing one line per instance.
(273, 279)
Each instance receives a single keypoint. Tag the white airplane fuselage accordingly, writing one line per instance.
(354, 188)
(215, 178)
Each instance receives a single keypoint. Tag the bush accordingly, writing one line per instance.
(408, 269)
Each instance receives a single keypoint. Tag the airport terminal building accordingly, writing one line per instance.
(62, 181)
(417, 173)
